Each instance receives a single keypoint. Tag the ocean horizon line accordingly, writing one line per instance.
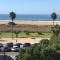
(31, 20)
(29, 17)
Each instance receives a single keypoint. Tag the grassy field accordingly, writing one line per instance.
(22, 34)
(24, 29)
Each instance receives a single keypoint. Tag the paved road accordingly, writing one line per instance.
(11, 54)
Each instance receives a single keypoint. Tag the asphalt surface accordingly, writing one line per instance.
(11, 54)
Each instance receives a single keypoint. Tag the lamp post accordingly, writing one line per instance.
(16, 32)
(4, 54)
(0, 31)
(12, 15)
(0, 35)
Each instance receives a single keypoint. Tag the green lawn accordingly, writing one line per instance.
(9, 35)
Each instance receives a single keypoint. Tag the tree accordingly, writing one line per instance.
(53, 16)
(44, 42)
(56, 29)
(55, 37)
(12, 15)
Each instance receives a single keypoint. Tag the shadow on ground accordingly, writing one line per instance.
(2, 57)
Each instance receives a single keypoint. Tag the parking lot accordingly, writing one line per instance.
(9, 51)
(11, 54)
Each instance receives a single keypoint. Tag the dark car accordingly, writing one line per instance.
(9, 44)
(18, 45)
(1, 45)
(26, 45)
(6, 49)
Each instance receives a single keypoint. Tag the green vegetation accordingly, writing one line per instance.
(40, 52)
(22, 34)
(45, 50)
(55, 39)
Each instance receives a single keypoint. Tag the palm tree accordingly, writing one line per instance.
(12, 15)
(53, 16)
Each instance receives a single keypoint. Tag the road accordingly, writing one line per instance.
(11, 54)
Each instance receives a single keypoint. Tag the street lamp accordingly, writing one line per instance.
(4, 54)
(16, 32)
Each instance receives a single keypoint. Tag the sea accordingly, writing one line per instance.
(27, 17)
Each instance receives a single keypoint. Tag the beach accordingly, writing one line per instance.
(31, 22)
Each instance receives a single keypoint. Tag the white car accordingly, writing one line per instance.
(21, 46)
(15, 48)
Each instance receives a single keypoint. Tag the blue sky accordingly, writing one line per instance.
(30, 6)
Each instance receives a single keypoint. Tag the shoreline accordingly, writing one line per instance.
(30, 22)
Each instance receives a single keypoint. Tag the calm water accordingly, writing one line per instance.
(29, 17)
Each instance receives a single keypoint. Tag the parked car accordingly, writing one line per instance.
(6, 49)
(18, 45)
(21, 46)
(26, 44)
(15, 48)
(1, 45)
(9, 44)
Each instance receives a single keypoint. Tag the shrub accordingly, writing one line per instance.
(40, 52)
(44, 42)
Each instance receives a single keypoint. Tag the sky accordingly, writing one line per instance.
(30, 6)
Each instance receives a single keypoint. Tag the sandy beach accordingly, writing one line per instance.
(31, 22)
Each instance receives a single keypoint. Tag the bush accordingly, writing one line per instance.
(55, 39)
(41, 52)
(50, 54)
(44, 42)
